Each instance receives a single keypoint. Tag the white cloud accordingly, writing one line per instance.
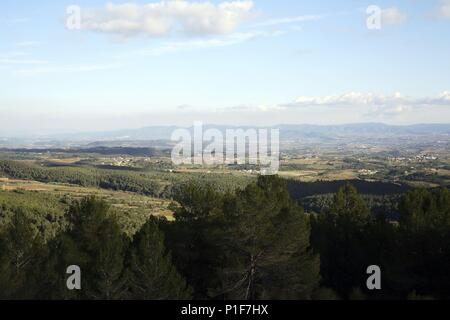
(27, 43)
(355, 107)
(441, 99)
(288, 20)
(16, 54)
(65, 69)
(9, 61)
(393, 16)
(248, 108)
(168, 17)
(344, 100)
(358, 99)
(443, 10)
(14, 20)
(189, 45)
(19, 58)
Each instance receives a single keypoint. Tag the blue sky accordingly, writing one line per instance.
(246, 62)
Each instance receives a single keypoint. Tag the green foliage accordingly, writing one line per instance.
(325, 294)
(192, 238)
(232, 239)
(422, 209)
(20, 253)
(85, 177)
(94, 242)
(338, 237)
(151, 183)
(250, 245)
(45, 212)
(267, 245)
(424, 249)
(152, 275)
(197, 201)
(99, 242)
(414, 255)
(348, 205)
(414, 296)
(357, 294)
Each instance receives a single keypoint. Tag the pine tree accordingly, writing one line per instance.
(192, 238)
(338, 236)
(348, 205)
(266, 243)
(152, 274)
(422, 209)
(424, 249)
(20, 253)
(97, 245)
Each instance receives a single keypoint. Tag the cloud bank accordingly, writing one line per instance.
(393, 16)
(443, 10)
(165, 18)
(359, 99)
(371, 105)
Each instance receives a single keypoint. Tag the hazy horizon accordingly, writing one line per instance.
(241, 62)
(67, 133)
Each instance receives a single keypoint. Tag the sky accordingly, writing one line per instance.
(70, 66)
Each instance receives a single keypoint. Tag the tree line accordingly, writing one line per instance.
(150, 183)
(112, 265)
(254, 243)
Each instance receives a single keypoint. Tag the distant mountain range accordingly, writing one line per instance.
(165, 132)
(319, 133)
